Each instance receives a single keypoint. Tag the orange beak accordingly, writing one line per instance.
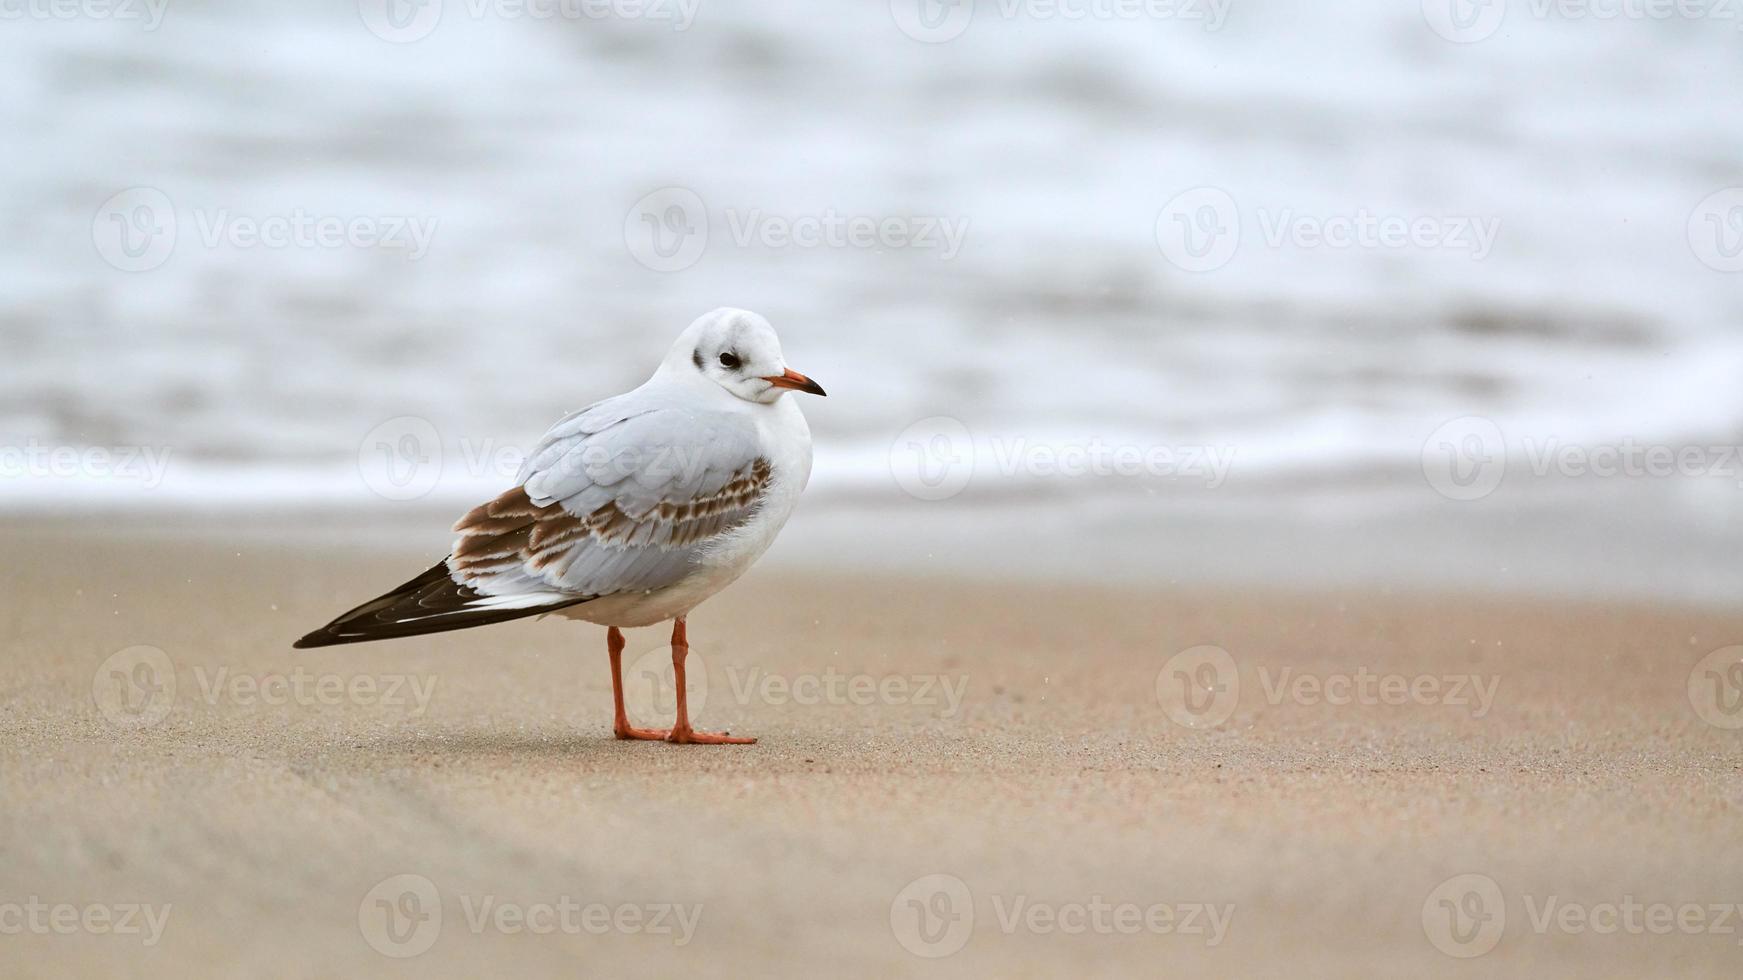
(796, 381)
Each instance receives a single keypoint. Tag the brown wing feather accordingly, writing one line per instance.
(512, 531)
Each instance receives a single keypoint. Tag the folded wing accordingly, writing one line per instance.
(615, 499)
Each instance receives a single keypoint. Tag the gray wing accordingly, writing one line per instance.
(622, 496)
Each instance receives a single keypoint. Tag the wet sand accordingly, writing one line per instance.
(953, 778)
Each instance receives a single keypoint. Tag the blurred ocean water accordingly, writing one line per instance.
(261, 237)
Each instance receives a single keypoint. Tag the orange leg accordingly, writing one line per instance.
(620, 724)
(681, 730)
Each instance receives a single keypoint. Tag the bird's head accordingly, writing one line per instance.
(738, 350)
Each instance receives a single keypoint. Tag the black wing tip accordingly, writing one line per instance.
(376, 620)
(335, 632)
(318, 638)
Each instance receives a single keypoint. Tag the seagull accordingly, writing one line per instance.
(630, 512)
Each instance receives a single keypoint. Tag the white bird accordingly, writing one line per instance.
(630, 512)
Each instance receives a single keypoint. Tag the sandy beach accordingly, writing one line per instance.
(953, 778)
(1275, 511)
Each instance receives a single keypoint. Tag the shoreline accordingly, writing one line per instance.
(1619, 542)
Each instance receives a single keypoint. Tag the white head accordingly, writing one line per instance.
(737, 350)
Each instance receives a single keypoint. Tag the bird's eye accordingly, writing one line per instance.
(728, 359)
